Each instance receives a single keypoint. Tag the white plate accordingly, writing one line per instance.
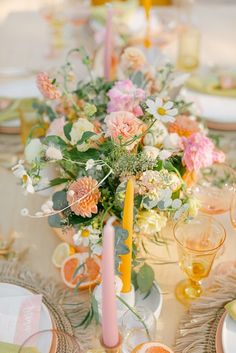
(213, 108)
(20, 88)
(11, 290)
(229, 335)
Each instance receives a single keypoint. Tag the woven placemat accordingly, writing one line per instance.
(66, 308)
(197, 330)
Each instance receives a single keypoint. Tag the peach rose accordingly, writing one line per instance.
(123, 126)
(133, 59)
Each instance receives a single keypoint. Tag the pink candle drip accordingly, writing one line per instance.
(108, 44)
(110, 332)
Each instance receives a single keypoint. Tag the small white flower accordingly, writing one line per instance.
(156, 135)
(47, 207)
(164, 154)
(24, 212)
(151, 151)
(20, 172)
(99, 167)
(39, 214)
(89, 164)
(71, 193)
(161, 111)
(86, 236)
(33, 150)
(53, 153)
(172, 141)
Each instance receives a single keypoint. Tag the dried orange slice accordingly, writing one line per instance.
(152, 347)
(81, 270)
(62, 252)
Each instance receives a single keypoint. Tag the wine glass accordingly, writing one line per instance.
(137, 326)
(51, 341)
(198, 241)
(215, 188)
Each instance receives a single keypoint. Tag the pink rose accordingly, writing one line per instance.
(57, 128)
(123, 126)
(199, 152)
(125, 96)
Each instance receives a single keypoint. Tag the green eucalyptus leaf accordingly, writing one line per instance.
(145, 278)
(95, 309)
(67, 129)
(59, 200)
(55, 140)
(85, 137)
(54, 221)
(138, 79)
(134, 279)
(91, 153)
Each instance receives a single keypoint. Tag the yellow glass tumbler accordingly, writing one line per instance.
(188, 49)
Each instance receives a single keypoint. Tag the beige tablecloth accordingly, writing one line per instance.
(219, 44)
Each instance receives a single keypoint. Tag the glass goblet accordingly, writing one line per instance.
(215, 188)
(198, 241)
(51, 341)
(137, 326)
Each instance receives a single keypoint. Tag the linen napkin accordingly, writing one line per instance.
(19, 318)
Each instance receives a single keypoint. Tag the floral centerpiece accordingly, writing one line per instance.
(99, 134)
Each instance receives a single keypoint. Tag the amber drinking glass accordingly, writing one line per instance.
(198, 241)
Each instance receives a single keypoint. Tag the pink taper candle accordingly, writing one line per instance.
(108, 44)
(110, 332)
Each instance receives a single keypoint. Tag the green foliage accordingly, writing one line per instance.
(44, 109)
(55, 140)
(58, 181)
(59, 200)
(67, 129)
(138, 79)
(78, 156)
(145, 278)
(85, 137)
(54, 221)
(120, 247)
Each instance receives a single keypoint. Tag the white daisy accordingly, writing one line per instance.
(86, 236)
(161, 111)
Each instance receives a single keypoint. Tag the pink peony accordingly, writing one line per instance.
(57, 127)
(123, 126)
(199, 152)
(125, 96)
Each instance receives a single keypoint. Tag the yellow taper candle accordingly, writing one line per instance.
(128, 218)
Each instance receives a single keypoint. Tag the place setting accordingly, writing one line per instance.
(118, 190)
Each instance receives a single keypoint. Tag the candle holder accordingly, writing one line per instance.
(115, 349)
(128, 297)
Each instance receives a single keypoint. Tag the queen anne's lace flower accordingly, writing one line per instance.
(85, 198)
(46, 87)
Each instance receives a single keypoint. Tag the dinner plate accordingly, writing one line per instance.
(218, 338)
(20, 88)
(11, 290)
(219, 112)
(229, 335)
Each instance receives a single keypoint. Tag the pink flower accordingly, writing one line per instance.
(125, 96)
(57, 127)
(123, 126)
(46, 87)
(199, 152)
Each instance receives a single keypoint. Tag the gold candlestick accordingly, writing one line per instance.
(115, 349)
